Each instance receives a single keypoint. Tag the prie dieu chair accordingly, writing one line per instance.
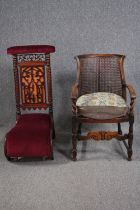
(34, 130)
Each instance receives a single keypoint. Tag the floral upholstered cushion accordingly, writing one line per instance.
(101, 105)
(101, 99)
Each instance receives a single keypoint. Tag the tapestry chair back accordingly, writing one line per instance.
(101, 73)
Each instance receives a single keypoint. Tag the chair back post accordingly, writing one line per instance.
(17, 88)
(123, 77)
(49, 84)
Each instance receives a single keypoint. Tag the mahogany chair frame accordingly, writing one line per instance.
(102, 135)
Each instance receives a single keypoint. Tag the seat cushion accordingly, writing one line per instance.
(101, 105)
(31, 137)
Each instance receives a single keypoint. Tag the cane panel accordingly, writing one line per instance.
(100, 74)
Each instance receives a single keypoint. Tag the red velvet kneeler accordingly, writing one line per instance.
(31, 137)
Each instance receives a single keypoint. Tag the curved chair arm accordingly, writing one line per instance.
(74, 91)
(131, 91)
(74, 96)
(132, 96)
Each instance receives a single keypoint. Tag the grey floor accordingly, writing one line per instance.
(101, 179)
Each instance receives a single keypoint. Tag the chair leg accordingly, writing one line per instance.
(74, 139)
(53, 128)
(119, 129)
(79, 128)
(52, 121)
(130, 139)
(52, 157)
(53, 132)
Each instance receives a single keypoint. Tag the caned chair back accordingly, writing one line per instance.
(101, 73)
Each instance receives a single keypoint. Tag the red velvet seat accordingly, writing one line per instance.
(31, 137)
(33, 133)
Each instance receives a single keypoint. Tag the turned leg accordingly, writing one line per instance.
(74, 139)
(119, 129)
(79, 128)
(53, 132)
(53, 128)
(52, 157)
(130, 138)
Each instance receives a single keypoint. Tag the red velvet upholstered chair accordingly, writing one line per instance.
(33, 132)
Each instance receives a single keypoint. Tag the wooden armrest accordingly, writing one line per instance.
(131, 91)
(74, 91)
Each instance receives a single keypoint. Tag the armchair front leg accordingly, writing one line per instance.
(74, 96)
(131, 120)
(74, 139)
(130, 138)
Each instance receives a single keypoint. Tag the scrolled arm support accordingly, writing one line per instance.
(131, 91)
(132, 97)
(74, 91)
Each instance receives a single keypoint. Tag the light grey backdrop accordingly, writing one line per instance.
(74, 27)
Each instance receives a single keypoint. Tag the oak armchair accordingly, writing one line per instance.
(99, 96)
